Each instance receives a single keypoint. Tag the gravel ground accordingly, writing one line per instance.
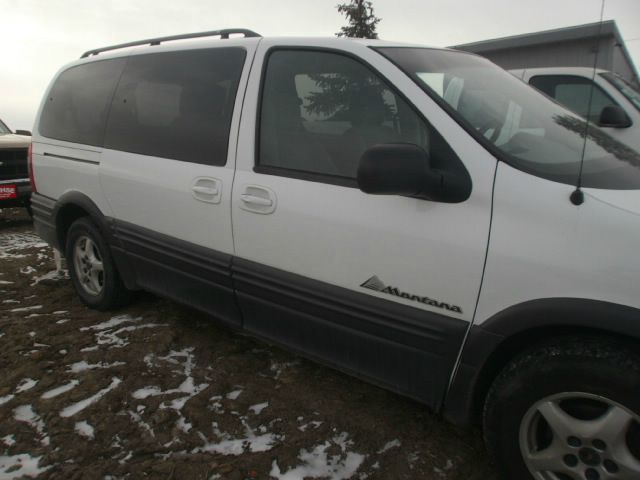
(157, 390)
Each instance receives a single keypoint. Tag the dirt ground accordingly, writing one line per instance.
(157, 390)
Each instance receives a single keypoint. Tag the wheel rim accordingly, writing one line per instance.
(88, 265)
(580, 436)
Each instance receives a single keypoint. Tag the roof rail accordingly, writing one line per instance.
(157, 41)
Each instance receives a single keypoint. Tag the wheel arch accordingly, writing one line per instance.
(494, 343)
(71, 206)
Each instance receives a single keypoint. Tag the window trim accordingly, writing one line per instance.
(324, 177)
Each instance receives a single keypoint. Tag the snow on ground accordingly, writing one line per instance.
(20, 466)
(85, 430)
(389, 445)
(26, 309)
(71, 410)
(25, 413)
(26, 384)
(317, 463)
(83, 365)
(52, 275)
(234, 395)
(252, 441)
(12, 243)
(54, 392)
(106, 334)
(257, 409)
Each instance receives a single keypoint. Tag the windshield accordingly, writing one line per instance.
(624, 87)
(516, 122)
(3, 128)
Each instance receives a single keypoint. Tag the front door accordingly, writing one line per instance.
(380, 286)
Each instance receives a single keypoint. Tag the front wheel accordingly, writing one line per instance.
(91, 267)
(568, 410)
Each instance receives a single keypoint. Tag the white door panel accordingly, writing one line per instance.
(344, 237)
(157, 193)
(68, 168)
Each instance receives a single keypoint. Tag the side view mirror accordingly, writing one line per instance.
(23, 132)
(614, 116)
(404, 169)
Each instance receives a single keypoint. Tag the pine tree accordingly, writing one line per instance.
(362, 21)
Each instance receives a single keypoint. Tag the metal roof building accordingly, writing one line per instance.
(563, 47)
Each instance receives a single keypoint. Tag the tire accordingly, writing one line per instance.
(541, 413)
(91, 267)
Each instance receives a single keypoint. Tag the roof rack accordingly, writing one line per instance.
(224, 34)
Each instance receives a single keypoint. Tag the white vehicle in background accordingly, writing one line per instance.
(615, 104)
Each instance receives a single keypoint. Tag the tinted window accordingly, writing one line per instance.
(177, 105)
(78, 104)
(320, 112)
(573, 92)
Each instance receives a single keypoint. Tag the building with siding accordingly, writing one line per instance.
(564, 47)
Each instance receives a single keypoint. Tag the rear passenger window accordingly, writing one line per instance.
(320, 111)
(77, 106)
(177, 105)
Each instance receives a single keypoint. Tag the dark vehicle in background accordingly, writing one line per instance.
(15, 189)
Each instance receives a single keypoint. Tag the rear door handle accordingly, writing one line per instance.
(257, 199)
(264, 202)
(207, 189)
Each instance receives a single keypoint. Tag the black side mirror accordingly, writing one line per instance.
(614, 116)
(404, 169)
(23, 132)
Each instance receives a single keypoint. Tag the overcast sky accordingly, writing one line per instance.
(39, 36)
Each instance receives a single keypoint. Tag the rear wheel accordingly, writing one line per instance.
(91, 267)
(567, 411)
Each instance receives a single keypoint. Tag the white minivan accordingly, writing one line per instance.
(414, 216)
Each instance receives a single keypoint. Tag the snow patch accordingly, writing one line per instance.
(26, 384)
(106, 335)
(9, 440)
(71, 410)
(85, 430)
(187, 387)
(234, 395)
(20, 466)
(257, 408)
(54, 392)
(52, 275)
(83, 366)
(6, 398)
(316, 463)
(26, 309)
(227, 445)
(25, 413)
(389, 445)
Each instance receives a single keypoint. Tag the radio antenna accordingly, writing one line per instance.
(577, 196)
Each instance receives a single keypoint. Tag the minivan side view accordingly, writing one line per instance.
(402, 213)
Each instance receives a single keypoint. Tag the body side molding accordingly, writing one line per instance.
(402, 348)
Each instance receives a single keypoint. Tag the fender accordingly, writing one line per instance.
(64, 212)
(52, 219)
(491, 345)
